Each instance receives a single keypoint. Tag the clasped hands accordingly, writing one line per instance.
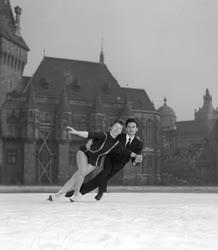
(138, 159)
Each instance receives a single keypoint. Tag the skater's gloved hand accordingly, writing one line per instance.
(71, 130)
(89, 144)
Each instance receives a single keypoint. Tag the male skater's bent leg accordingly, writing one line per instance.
(102, 183)
(87, 186)
(99, 179)
(108, 175)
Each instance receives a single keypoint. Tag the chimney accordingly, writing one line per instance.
(18, 11)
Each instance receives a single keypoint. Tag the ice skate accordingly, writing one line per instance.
(50, 198)
(99, 196)
(76, 197)
(69, 194)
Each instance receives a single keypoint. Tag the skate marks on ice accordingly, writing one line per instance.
(118, 221)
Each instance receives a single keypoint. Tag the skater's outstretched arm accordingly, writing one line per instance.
(73, 131)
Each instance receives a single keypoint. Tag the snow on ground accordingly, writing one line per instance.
(130, 221)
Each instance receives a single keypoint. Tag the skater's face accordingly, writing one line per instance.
(116, 129)
(131, 128)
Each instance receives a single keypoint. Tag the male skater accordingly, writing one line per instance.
(114, 162)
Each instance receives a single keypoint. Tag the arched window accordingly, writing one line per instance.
(15, 63)
(4, 58)
(18, 65)
(12, 62)
(22, 66)
(8, 60)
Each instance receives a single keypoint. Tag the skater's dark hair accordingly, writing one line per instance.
(118, 121)
(129, 120)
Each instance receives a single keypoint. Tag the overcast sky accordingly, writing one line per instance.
(167, 47)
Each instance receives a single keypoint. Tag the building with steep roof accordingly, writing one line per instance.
(35, 147)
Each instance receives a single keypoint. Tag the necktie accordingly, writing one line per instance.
(127, 144)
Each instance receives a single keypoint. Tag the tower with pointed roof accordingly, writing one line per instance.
(13, 49)
(207, 111)
(101, 57)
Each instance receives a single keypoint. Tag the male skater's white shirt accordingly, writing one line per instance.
(128, 137)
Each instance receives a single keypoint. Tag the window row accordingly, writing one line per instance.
(13, 62)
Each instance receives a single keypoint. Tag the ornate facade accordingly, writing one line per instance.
(34, 145)
(190, 148)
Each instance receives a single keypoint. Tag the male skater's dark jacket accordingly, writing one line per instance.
(112, 164)
(119, 161)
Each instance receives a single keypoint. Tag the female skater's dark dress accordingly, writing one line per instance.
(103, 144)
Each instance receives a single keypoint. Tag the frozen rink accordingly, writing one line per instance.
(127, 221)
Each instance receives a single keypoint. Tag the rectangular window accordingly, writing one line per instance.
(11, 156)
(79, 121)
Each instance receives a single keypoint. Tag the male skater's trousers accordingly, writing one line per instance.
(100, 180)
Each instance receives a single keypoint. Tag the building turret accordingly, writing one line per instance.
(18, 11)
(63, 117)
(207, 112)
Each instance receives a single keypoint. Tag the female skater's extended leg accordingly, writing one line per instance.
(76, 181)
(69, 185)
(83, 169)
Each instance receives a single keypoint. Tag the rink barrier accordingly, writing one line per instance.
(149, 189)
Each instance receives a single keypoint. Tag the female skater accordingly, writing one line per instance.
(87, 160)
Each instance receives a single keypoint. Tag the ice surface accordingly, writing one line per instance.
(130, 221)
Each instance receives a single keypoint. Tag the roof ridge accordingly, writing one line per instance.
(68, 59)
(133, 89)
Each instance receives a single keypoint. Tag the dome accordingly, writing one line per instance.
(166, 110)
(167, 117)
